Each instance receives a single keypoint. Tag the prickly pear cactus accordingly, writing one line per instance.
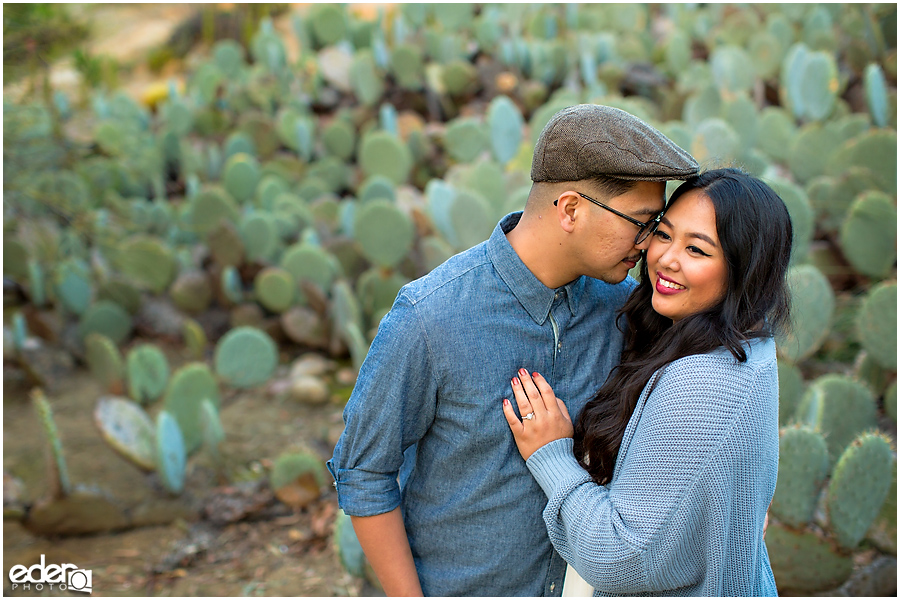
(382, 153)
(297, 478)
(148, 373)
(306, 262)
(869, 234)
(171, 458)
(465, 139)
(191, 292)
(104, 360)
(187, 388)
(147, 262)
(245, 357)
(384, 232)
(275, 289)
(876, 324)
(211, 425)
(812, 309)
(241, 176)
(790, 391)
(802, 470)
(805, 562)
(60, 485)
(839, 407)
(127, 429)
(194, 338)
(858, 487)
(107, 318)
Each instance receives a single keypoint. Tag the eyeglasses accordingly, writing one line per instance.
(646, 229)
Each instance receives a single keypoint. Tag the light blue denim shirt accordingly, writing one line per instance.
(425, 428)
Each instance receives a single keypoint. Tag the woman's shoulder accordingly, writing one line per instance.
(719, 368)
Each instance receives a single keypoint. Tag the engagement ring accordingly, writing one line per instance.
(529, 416)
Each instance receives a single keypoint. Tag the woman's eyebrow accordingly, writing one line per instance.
(698, 235)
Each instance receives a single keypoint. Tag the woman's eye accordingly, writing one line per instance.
(661, 235)
(697, 250)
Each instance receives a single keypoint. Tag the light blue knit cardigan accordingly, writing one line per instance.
(684, 512)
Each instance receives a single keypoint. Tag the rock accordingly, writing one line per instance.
(335, 64)
(304, 326)
(76, 514)
(307, 389)
(311, 364)
(159, 317)
(346, 376)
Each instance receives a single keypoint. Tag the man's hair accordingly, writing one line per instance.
(604, 187)
(610, 187)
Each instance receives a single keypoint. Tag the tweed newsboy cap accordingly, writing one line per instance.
(588, 140)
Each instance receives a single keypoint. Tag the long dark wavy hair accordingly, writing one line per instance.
(755, 233)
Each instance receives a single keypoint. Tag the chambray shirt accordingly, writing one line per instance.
(425, 428)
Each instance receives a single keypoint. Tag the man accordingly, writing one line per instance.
(541, 293)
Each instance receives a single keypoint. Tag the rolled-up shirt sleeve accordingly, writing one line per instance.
(391, 407)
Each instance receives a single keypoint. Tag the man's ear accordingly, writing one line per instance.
(567, 205)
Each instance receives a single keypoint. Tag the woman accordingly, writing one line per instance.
(665, 486)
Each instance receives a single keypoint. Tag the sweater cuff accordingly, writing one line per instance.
(554, 466)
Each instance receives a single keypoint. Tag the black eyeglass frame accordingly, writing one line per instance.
(646, 229)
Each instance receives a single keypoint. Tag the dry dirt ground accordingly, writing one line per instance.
(271, 551)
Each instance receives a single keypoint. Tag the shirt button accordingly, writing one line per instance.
(556, 295)
(552, 587)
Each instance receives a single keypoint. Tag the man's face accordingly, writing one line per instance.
(605, 246)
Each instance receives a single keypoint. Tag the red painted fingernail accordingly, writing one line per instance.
(505, 402)
(535, 374)
(515, 380)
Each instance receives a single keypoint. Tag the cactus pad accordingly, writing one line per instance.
(377, 187)
(869, 234)
(348, 547)
(211, 426)
(103, 360)
(465, 139)
(187, 388)
(148, 373)
(147, 262)
(310, 263)
(840, 408)
(384, 232)
(802, 217)
(241, 176)
(382, 153)
(805, 562)
(194, 338)
(876, 324)
(858, 487)
(802, 469)
(60, 484)
(339, 139)
(275, 289)
(245, 357)
(171, 458)
(505, 123)
(73, 285)
(812, 309)
(790, 391)
(297, 478)
(127, 429)
(259, 233)
(108, 318)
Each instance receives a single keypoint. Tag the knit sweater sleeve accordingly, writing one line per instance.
(610, 533)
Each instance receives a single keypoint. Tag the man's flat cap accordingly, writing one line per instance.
(587, 140)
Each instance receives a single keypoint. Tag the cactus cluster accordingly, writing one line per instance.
(298, 184)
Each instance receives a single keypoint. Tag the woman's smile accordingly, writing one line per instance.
(667, 286)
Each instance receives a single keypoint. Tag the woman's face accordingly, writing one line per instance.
(685, 259)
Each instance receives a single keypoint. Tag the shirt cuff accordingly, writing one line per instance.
(363, 493)
(554, 466)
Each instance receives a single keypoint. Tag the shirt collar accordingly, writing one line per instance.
(536, 297)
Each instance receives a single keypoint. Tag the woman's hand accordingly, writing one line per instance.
(544, 416)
